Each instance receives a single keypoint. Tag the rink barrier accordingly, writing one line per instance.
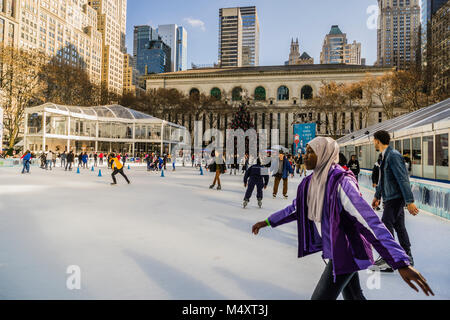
(17, 162)
(433, 197)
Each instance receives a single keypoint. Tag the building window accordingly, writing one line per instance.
(283, 93)
(306, 92)
(237, 94)
(442, 156)
(194, 94)
(260, 94)
(216, 93)
(428, 157)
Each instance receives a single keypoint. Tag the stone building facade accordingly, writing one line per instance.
(276, 95)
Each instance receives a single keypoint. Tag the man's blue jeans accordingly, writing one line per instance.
(26, 166)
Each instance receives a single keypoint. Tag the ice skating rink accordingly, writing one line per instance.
(171, 238)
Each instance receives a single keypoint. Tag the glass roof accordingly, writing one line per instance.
(111, 111)
(432, 114)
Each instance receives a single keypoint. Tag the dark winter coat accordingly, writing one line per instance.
(257, 173)
(70, 157)
(353, 165)
(213, 167)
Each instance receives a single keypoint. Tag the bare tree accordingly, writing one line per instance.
(20, 86)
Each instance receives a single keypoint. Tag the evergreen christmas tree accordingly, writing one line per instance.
(242, 119)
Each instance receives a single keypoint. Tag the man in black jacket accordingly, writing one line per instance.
(258, 176)
(70, 159)
(353, 165)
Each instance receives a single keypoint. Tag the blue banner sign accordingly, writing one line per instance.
(303, 134)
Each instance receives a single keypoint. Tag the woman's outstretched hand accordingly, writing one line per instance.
(410, 274)
(257, 226)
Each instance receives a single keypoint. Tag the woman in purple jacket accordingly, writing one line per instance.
(342, 225)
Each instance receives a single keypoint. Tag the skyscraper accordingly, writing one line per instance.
(151, 53)
(176, 38)
(398, 32)
(335, 49)
(112, 25)
(238, 37)
(440, 57)
(181, 63)
(9, 22)
(352, 53)
(141, 38)
(429, 9)
(250, 36)
(66, 31)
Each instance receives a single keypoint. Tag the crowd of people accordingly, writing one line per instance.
(332, 216)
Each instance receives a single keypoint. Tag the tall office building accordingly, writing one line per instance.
(155, 58)
(168, 34)
(152, 54)
(9, 22)
(176, 38)
(352, 53)
(141, 38)
(440, 57)
(398, 33)
(181, 61)
(335, 49)
(238, 37)
(112, 26)
(428, 11)
(250, 36)
(65, 30)
(129, 75)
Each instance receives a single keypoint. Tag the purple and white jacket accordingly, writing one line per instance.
(349, 226)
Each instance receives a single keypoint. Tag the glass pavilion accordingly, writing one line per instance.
(112, 128)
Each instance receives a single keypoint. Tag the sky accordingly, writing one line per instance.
(279, 20)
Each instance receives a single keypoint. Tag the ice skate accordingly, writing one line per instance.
(259, 203)
(245, 203)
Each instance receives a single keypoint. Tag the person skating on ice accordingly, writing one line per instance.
(218, 167)
(395, 190)
(257, 175)
(283, 169)
(26, 158)
(117, 167)
(70, 160)
(332, 217)
(353, 165)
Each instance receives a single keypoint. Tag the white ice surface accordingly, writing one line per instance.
(171, 238)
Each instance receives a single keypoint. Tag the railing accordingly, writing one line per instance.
(429, 196)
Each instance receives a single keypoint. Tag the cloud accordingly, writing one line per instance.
(196, 23)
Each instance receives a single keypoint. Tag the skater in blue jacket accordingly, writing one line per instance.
(257, 175)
